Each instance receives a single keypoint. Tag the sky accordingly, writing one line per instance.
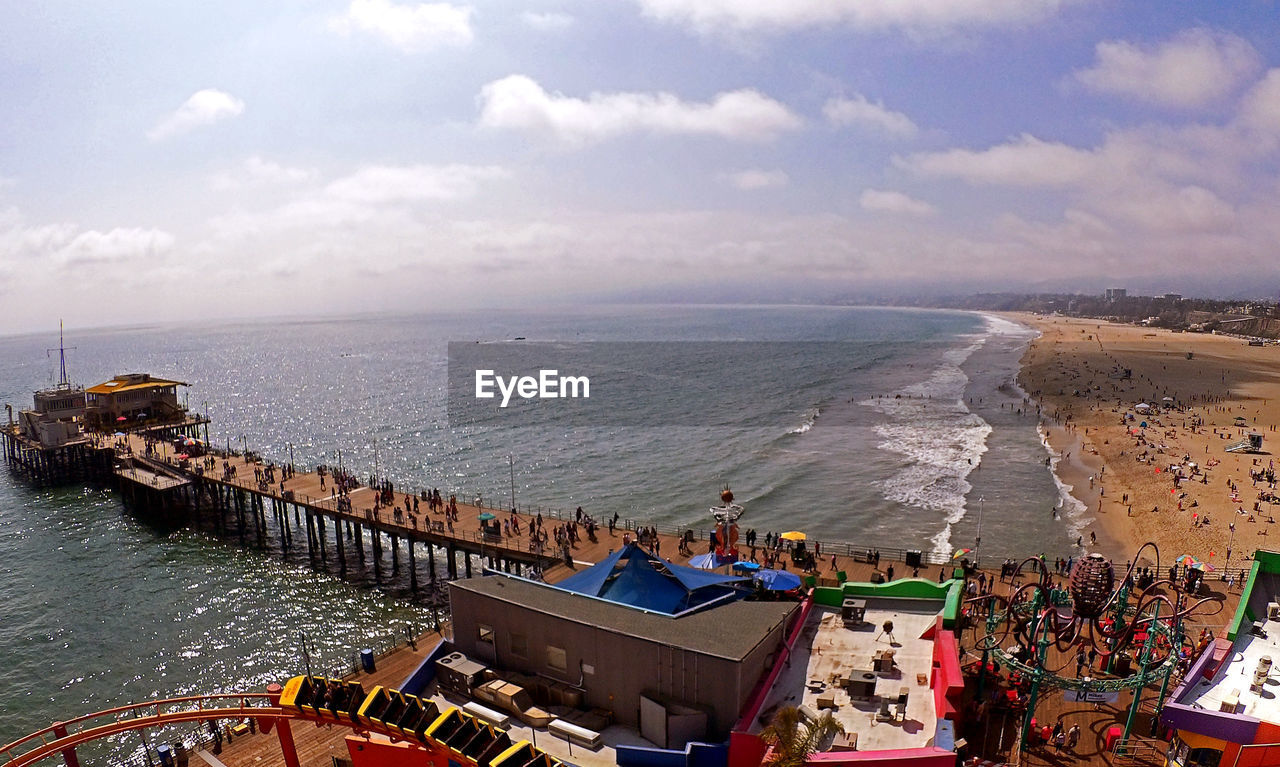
(176, 159)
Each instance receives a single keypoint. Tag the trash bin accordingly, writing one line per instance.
(1113, 734)
(166, 755)
(914, 558)
(366, 661)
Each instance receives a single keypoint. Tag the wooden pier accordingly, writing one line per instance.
(305, 512)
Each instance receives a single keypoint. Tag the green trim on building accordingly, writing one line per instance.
(950, 593)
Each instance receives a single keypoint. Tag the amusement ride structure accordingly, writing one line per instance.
(1133, 624)
(726, 516)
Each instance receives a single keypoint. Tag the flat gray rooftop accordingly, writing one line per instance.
(731, 630)
(1231, 683)
(827, 650)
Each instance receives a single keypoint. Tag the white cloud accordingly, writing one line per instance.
(380, 184)
(894, 202)
(66, 244)
(20, 240)
(752, 179)
(518, 102)
(927, 16)
(547, 22)
(859, 112)
(1260, 109)
(1195, 68)
(371, 198)
(1027, 162)
(1150, 179)
(203, 108)
(256, 171)
(1186, 209)
(411, 27)
(117, 244)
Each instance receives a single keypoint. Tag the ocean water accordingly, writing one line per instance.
(904, 439)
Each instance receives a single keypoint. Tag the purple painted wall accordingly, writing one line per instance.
(1194, 674)
(1235, 728)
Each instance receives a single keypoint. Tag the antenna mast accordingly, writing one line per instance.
(63, 381)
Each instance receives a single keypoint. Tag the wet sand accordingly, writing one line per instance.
(1076, 372)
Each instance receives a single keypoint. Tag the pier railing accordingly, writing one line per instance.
(861, 552)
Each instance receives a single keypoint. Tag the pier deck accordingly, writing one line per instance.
(316, 744)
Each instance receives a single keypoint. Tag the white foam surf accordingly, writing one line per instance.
(943, 441)
(810, 418)
(1071, 510)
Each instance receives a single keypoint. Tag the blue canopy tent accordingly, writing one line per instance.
(778, 580)
(633, 577)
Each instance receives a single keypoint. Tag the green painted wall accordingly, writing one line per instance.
(949, 593)
(1263, 562)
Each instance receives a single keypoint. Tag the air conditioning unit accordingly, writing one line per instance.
(1273, 611)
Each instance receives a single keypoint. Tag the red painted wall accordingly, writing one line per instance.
(745, 749)
(376, 752)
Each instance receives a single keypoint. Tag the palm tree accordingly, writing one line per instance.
(794, 737)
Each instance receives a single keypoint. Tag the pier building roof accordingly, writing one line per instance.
(132, 382)
(704, 631)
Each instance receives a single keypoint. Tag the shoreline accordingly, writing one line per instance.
(1088, 375)
(1071, 465)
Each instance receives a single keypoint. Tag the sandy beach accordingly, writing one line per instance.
(1205, 392)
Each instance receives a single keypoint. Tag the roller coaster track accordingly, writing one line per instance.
(63, 737)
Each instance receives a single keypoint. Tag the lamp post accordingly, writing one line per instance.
(290, 456)
(512, 462)
(1227, 567)
(306, 656)
(977, 541)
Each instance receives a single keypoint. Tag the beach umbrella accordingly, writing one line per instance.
(486, 516)
(708, 561)
(121, 418)
(1187, 560)
(1142, 406)
(778, 580)
(182, 456)
(746, 565)
(792, 535)
(960, 553)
